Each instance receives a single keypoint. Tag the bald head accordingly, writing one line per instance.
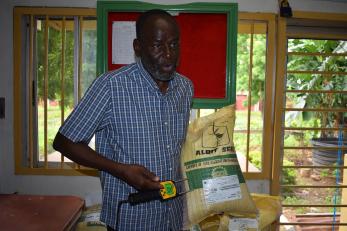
(150, 16)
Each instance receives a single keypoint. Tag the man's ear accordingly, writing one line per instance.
(137, 47)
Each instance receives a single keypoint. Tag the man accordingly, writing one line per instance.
(139, 115)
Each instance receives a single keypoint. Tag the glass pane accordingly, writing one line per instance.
(250, 98)
(60, 77)
(69, 66)
(205, 112)
(255, 151)
(40, 71)
(88, 53)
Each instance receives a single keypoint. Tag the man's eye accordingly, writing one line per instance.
(156, 46)
(174, 45)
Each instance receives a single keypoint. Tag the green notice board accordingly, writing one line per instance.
(208, 44)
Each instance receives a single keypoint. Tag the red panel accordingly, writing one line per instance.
(203, 50)
(203, 53)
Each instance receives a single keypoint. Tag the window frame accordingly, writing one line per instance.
(23, 125)
(280, 107)
(270, 20)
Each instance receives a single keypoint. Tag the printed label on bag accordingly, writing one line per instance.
(219, 189)
(243, 224)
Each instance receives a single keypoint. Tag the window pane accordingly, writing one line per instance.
(58, 88)
(89, 53)
(251, 69)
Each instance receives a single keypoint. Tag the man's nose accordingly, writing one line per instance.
(167, 51)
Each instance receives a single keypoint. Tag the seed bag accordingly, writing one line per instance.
(209, 162)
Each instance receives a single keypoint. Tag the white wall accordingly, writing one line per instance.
(82, 186)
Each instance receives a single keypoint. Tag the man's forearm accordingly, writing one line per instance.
(135, 175)
(82, 154)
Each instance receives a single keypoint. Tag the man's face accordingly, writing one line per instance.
(158, 47)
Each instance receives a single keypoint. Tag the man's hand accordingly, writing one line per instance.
(139, 177)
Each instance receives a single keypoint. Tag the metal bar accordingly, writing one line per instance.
(250, 131)
(312, 129)
(45, 95)
(317, 148)
(80, 59)
(316, 72)
(313, 205)
(314, 167)
(316, 91)
(62, 68)
(314, 186)
(76, 58)
(80, 55)
(313, 223)
(31, 51)
(317, 54)
(61, 11)
(249, 106)
(76, 62)
(317, 109)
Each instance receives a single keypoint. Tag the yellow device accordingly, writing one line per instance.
(169, 190)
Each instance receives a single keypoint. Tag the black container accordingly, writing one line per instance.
(325, 157)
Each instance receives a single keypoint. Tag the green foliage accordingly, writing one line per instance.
(258, 69)
(256, 159)
(293, 200)
(288, 174)
(322, 82)
(55, 62)
(288, 177)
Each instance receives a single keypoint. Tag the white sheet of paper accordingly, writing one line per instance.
(220, 189)
(123, 34)
(243, 224)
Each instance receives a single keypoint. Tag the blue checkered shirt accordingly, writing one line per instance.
(135, 123)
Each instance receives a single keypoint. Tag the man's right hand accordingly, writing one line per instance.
(138, 177)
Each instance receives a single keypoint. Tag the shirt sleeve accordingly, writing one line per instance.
(87, 116)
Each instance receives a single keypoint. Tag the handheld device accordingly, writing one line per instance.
(168, 191)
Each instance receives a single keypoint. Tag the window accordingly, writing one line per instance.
(311, 122)
(55, 62)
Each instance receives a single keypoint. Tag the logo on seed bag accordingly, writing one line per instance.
(219, 171)
(215, 136)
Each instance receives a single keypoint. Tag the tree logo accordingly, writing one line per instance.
(215, 136)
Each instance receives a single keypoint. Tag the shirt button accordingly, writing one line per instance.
(170, 170)
(165, 123)
(168, 146)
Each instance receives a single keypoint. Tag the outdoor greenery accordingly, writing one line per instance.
(322, 82)
(88, 74)
(243, 65)
(318, 93)
(58, 87)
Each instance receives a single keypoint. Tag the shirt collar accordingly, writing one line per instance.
(151, 83)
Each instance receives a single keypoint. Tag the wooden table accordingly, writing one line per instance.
(39, 213)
